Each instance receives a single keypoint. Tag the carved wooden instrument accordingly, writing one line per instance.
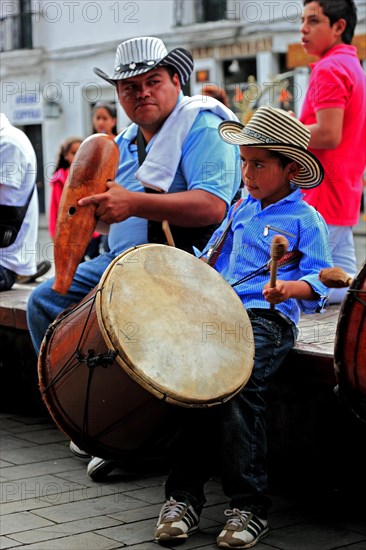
(95, 163)
(335, 277)
(279, 246)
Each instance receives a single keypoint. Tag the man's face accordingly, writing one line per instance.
(149, 98)
(317, 34)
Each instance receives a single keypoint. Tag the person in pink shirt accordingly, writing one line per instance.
(65, 157)
(334, 110)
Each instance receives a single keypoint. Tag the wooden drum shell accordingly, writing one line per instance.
(119, 404)
(350, 344)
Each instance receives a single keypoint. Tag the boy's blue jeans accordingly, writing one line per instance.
(234, 433)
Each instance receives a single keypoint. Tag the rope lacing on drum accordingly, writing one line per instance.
(356, 292)
(91, 360)
(77, 353)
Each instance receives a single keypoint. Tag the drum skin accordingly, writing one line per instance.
(350, 345)
(161, 330)
(95, 163)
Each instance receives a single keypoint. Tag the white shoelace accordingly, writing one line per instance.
(237, 518)
(171, 510)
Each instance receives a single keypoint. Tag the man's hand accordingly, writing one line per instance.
(194, 208)
(112, 206)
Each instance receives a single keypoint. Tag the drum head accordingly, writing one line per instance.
(179, 329)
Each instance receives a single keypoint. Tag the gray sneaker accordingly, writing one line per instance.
(176, 521)
(242, 530)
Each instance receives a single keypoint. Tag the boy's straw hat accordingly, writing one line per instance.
(277, 130)
(139, 55)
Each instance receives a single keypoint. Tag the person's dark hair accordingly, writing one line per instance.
(340, 9)
(61, 161)
(284, 161)
(171, 71)
(111, 109)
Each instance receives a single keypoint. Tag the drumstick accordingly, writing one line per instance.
(279, 246)
(168, 233)
(335, 277)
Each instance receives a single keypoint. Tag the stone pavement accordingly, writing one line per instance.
(49, 502)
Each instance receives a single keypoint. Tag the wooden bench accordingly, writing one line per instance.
(18, 360)
(311, 358)
(314, 346)
(13, 305)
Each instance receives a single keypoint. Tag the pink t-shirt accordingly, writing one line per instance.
(338, 81)
(57, 183)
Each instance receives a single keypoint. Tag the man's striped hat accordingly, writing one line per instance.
(139, 55)
(279, 131)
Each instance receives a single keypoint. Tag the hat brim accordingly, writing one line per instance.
(311, 172)
(179, 58)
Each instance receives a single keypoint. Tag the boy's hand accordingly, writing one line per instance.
(277, 294)
(283, 290)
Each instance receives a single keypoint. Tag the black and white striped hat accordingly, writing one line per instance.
(139, 55)
(279, 131)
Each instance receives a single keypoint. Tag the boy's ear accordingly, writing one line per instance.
(340, 26)
(293, 169)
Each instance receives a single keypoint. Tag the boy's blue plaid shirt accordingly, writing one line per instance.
(248, 243)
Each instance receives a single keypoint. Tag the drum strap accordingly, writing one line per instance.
(11, 221)
(184, 237)
(292, 257)
(215, 250)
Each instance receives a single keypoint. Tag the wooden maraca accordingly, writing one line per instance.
(335, 277)
(279, 246)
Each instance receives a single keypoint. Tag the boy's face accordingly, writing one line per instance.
(317, 34)
(264, 176)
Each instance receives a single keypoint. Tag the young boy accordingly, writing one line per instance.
(273, 170)
(334, 111)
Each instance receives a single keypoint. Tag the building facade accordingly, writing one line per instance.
(49, 48)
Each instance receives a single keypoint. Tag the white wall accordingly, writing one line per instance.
(65, 24)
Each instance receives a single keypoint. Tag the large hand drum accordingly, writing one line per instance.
(161, 327)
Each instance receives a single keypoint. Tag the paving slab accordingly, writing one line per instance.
(5, 543)
(40, 468)
(85, 541)
(52, 504)
(64, 529)
(314, 536)
(41, 487)
(13, 523)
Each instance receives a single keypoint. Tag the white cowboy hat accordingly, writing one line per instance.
(279, 131)
(139, 55)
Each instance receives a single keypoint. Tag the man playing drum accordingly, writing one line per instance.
(185, 158)
(274, 167)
